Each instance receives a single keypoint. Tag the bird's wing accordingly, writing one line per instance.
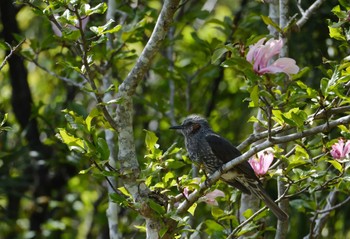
(225, 151)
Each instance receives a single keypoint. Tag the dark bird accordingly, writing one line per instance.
(210, 150)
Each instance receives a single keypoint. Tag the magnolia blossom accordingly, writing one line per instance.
(210, 198)
(340, 150)
(261, 54)
(261, 161)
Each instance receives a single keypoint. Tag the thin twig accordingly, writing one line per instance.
(12, 51)
(334, 207)
(89, 75)
(279, 129)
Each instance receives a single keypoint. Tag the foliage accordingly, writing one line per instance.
(60, 182)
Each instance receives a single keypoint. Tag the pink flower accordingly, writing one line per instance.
(210, 198)
(260, 55)
(261, 161)
(340, 150)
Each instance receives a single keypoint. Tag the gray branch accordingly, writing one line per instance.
(124, 117)
(274, 140)
(307, 13)
(320, 222)
(144, 61)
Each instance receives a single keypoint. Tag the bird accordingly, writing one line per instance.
(210, 150)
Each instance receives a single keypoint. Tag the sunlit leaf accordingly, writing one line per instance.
(248, 213)
(100, 9)
(254, 96)
(140, 228)
(192, 209)
(336, 33)
(94, 112)
(168, 176)
(336, 165)
(85, 171)
(124, 191)
(151, 140)
(71, 141)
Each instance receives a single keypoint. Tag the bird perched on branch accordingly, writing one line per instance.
(209, 149)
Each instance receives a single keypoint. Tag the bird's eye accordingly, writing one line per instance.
(195, 127)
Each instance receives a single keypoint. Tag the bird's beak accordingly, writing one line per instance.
(176, 127)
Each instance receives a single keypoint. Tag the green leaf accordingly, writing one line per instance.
(217, 212)
(113, 30)
(85, 171)
(218, 53)
(98, 9)
(102, 148)
(301, 153)
(101, 30)
(192, 209)
(90, 117)
(140, 228)
(254, 96)
(115, 197)
(162, 231)
(151, 140)
(124, 191)
(277, 116)
(214, 229)
(295, 117)
(168, 176)
(268, 21)
(299, 118)
(4, 120)
(339, 13)
(248, 213)
(336, 33)
(156, 207)
(345, 3)
(174, 164)
(336, 165)
(253, 119)
(71, 141)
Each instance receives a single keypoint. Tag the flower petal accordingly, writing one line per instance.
(284, 64)
(210, 198)
(253, 50)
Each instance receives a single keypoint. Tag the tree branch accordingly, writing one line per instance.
(255, 149)
(12, 50)
(124, 117)
(306, 14)
(144, 61)
(277, 130)
(315, 231)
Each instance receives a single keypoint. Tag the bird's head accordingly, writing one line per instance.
(192, 125)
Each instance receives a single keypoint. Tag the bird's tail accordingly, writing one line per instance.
(260, 192)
